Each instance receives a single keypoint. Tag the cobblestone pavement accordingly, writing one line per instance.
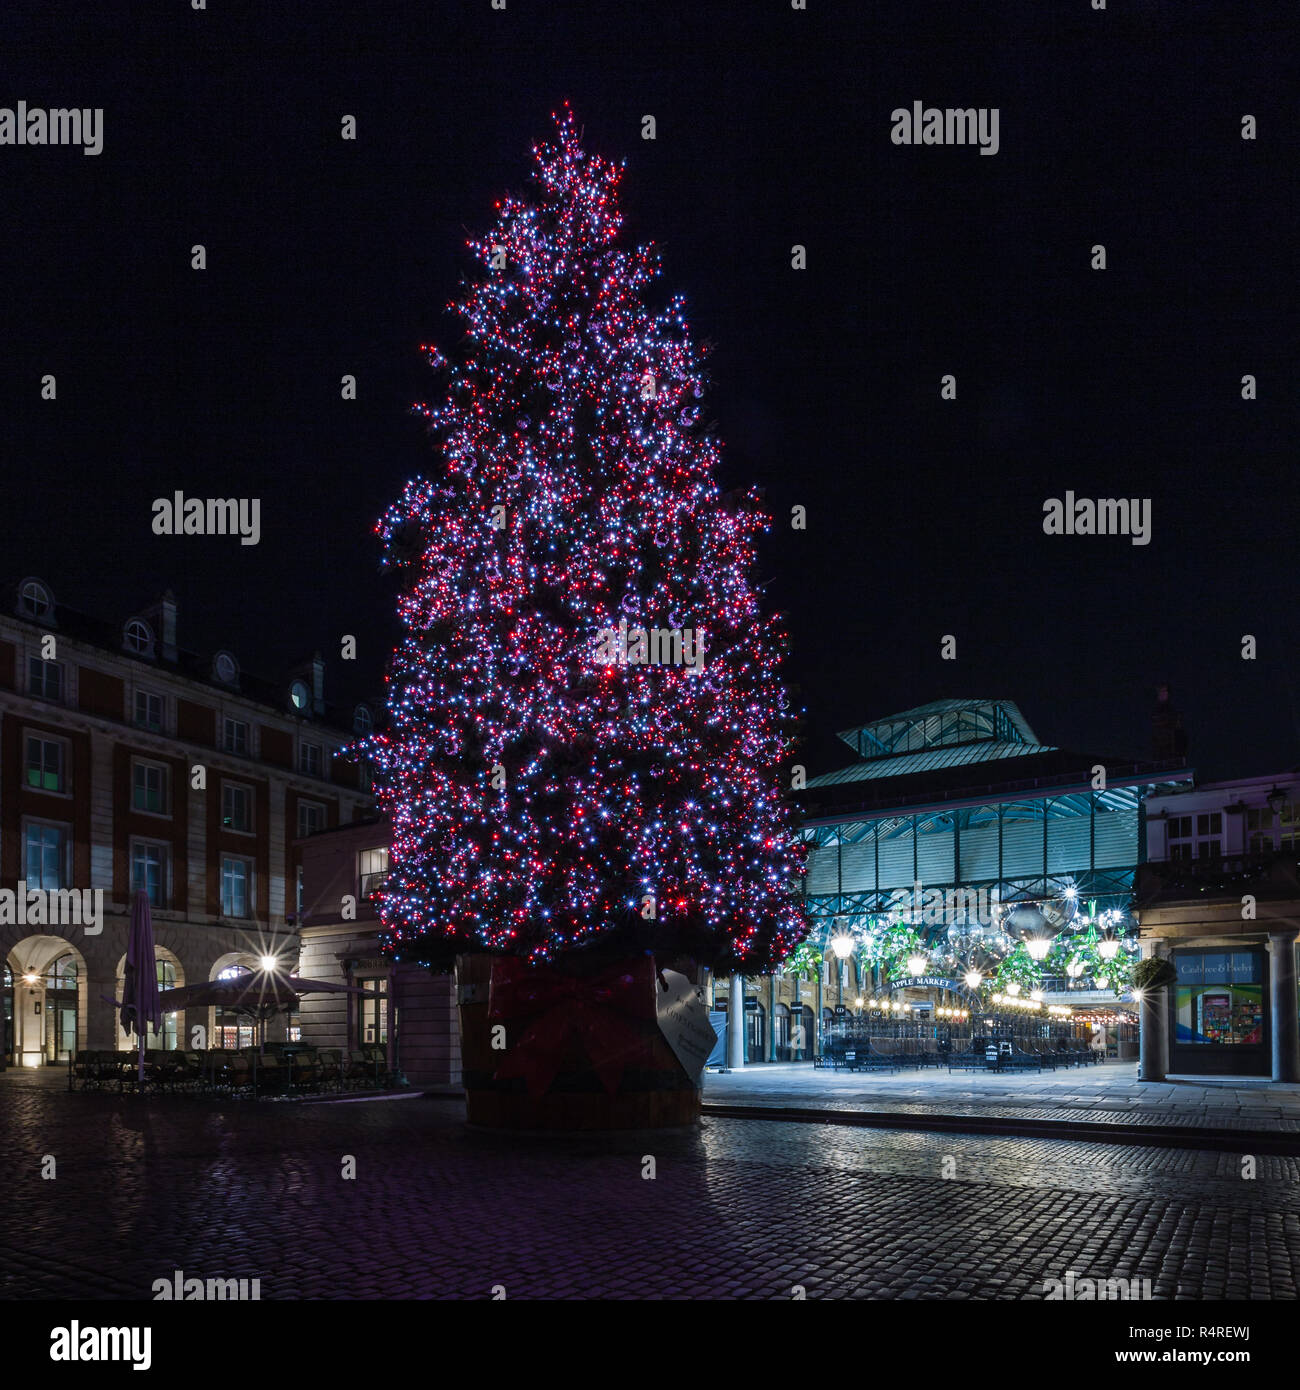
(736, 1209)
(1106, 1093)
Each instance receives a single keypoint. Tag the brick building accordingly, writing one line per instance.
(126, 761)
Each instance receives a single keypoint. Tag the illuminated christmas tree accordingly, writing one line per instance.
(586, 718)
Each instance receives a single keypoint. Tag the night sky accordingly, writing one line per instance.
(924, 516)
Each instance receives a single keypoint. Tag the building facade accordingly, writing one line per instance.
(128, 762)
(1219, 898)
(407, 1009)
(959, 798)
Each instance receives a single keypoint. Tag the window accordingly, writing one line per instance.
(1289, 825)
(149, 787)
(148, 711)
(236, 878)
(46, 856)
(1219, 998)
(1180, 837)
(45, 764)
(149, 871)
(44, 678)
(236, 807)
(164, 1041)
(1261, 830)
(34, 600)
(372, 869)
(309, 759)
(226, 668)
(300, 696)
(1209, 835)
(362, 720)
(365, 776)
(136, 637)
(311, 818)
(372, 1011)
(234, 737)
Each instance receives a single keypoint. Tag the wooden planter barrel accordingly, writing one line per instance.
(655, 1094)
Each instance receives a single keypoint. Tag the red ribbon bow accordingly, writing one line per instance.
(601, 1010)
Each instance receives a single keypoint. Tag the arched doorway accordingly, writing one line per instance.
(169, 974)
(62, 979)
(781, 1032)
(802, 1035)
(45, 1001)
(232, 1030)
(755, 1031)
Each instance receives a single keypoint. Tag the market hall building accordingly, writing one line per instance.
(961, 796)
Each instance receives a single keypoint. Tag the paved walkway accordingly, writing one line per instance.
(734, 1209)
(1107, 1093)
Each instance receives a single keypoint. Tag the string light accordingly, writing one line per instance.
(542, 799)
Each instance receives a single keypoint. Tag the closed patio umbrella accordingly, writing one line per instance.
(140, 1005)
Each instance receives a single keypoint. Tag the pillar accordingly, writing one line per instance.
(1153, 1025)
(816, 1043)
(1282, 1004)
(736, 1023)
(769, 1048)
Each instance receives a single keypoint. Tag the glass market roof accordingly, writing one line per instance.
(942, 734)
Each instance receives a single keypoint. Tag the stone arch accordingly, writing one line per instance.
(30, 959)
(127, 1041)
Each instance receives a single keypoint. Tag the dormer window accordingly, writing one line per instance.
(225, 668)
(362, 720)
(35, 600)
(137, 637)
(300, 696)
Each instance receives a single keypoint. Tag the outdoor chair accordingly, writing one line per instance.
(1019, 1061)
(377, 1058)
(238, 1072)
(970, 1059)
(359, 1072)
(270, 1075)
(305, 1070)
(329, 1062)
(167, 1068)
(83, 1071)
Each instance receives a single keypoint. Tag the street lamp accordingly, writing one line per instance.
(972, 979)
(842, 945)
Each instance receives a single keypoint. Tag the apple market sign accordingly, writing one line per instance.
(929, 982)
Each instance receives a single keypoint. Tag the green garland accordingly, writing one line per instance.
(1018, 967)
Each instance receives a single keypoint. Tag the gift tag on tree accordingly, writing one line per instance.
(684, 1021)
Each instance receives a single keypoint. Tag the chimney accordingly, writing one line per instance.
(1168, 738)
(162, 615)
(317, 683)
(167, 608)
